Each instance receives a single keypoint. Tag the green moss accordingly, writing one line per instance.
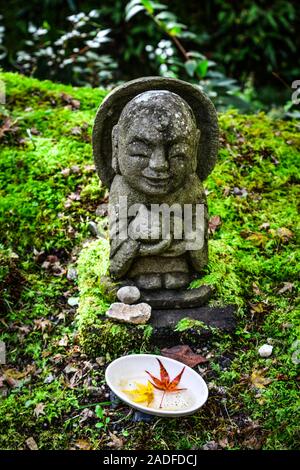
(195, 332)
(97, 335)
(93, 191)
(113, 340)
(22, 91)
(35, 205)
(11, 279)
(49, 193)
(187, 323)
(92, 268)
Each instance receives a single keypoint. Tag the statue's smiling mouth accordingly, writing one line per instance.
(157, 179)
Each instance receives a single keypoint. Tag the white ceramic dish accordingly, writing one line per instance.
(123, 374)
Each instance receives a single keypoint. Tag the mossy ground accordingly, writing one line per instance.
(49, 191)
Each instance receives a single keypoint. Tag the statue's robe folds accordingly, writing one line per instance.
(129, 257)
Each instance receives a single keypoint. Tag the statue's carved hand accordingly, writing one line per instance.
(178, 248)
(141, 229)
(158, 248)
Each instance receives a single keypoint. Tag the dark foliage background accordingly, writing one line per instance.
(253, 42)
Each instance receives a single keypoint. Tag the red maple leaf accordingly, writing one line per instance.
(164, 383)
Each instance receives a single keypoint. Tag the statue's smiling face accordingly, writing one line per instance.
(156, 142)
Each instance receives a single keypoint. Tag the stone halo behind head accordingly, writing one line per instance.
(111, 108)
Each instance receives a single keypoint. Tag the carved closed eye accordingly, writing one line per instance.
(139, 149)
(179, 155)
(140, 155)
(178, 151)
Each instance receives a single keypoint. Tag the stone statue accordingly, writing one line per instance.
(155, 140)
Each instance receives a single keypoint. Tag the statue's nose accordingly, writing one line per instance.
(158, 161)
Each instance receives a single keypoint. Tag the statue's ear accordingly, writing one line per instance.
(197, 143)
(115, 149)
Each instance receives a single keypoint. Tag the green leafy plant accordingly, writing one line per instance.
(103, 419)
(187, 323)
(174, 60)
(76, 53)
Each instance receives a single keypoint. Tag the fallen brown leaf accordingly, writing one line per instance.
(183, 353)
(63, 342)
(264, 226)
(82, 444)
(34, 131)
(258, 239)
(61, 316)
(42, 324)
(258, 380)
(253, 443)
(256, 289)
(115, 441)
(53, 265)
(31, 444)
(65, 171)
(69, 100)
(15, 374)
(214, 223)
(39, 409)
(284, 234)
(223, 443)
(85, 415)
(23, 329)
(8, 127)
(76, 130)
(287, 287)
(259, 309)
(89, 168)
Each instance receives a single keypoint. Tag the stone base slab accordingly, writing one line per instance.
(164, 322)
(177, 299)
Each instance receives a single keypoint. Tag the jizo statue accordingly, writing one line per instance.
(155, 140)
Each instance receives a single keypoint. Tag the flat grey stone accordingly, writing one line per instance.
(216, 317)
(93, 228)
(73, 301)
(128, 294)
(49, 379)
(188, 298)
(115, 401)
(101, 210)
(140, 416)
(164, 322)
(71, 274)
(137, 314)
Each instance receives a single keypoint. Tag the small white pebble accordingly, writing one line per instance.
(265, 350)
(73, 301)
(128, 294)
